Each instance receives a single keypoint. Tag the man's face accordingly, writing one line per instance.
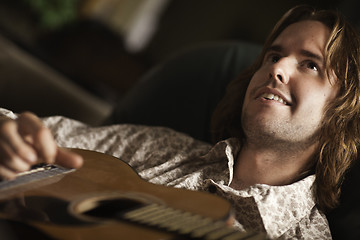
(286, 97)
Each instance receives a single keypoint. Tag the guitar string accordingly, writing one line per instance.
(37, 174)
(184, 223)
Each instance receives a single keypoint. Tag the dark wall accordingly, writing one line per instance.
(90, 54)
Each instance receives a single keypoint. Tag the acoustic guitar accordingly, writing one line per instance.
(106, 199)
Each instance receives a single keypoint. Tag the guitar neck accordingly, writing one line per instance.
(39, 175)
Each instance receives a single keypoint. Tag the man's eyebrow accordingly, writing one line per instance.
(306, 53)
(312, 55)
(275, 48)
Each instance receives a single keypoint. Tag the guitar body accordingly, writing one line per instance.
(62, 206)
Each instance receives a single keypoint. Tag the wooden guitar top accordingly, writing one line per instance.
(89, 203)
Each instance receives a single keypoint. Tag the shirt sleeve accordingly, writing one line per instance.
(7, 113)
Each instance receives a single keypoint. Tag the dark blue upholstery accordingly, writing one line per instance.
(182, 92)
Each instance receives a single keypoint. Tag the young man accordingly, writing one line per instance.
(292, 123)
(321, 95)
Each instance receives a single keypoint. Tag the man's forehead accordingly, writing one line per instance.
(308, 37)
(306, 32)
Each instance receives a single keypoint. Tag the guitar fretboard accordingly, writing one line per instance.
(33, 178)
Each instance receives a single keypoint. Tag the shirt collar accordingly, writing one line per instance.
(287, 204)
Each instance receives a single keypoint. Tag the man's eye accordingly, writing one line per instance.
(271, 58)
(275, 58)
(313, 66)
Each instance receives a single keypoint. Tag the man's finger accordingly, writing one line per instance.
(68, 159)
(29, 123)
(35, 133)
(10, 137)
(6, 174)
(10, 160)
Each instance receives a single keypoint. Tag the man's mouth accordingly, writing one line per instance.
(271, 96)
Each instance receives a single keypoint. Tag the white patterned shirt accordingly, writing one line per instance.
(164, 156)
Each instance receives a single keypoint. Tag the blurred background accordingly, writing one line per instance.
(79, 57)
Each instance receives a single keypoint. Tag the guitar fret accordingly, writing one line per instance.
(201, 232)
(194, 223)
(173, 223)
(34, 175)
(195, 226)
(220, 233)
(182, 220)
(164, 217)
(37, 168)
(183, 223)
(156, 218)
(140, 211)
(146, 219)
(245, 235)
(142, 217)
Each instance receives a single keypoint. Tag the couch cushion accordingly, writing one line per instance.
(182, 92)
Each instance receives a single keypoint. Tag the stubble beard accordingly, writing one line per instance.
(277, 136)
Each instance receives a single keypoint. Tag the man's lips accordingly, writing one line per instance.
(271, 94)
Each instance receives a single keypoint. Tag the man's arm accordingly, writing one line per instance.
(25, 141)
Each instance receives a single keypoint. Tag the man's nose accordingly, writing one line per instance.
(281, 71)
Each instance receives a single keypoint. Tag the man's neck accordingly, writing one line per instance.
(267, 166)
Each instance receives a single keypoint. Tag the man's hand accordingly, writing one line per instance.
(26, 141)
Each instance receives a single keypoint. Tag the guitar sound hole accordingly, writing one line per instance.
(113, 208)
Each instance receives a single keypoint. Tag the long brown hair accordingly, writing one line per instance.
(340, 133)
